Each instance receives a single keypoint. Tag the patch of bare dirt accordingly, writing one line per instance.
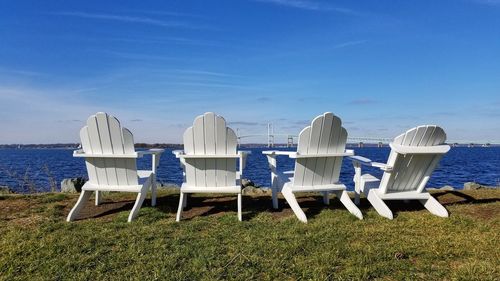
(13, 207)
(483, 212)
(199, 205)
(464, 197)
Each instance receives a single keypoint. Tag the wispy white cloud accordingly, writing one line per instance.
(205, 73)
(263, 99)
(131, 19)
(309, 5)
(214, 85)
(166, 40)
(49, 115)
(169, 13)
(244, 123)
(20, 72)
(138, 56)
(362, 101)
(488, 2)
(85, 90)
(349, 44)
(322, 48)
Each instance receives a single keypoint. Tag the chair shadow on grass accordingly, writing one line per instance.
(467, 199)
(398, 206)
(254, 205)
(112, 207)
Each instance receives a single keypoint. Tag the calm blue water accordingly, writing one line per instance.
(460, 165)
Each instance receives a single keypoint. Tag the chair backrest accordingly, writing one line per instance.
(410, 172)
(104, 135)
(324, 135)
(209, 135)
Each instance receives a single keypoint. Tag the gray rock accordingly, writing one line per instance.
(6, 190)
(447, 187)
(252, 190)
(246, 182)
(166, 186)
(472, 186)
(73, 185)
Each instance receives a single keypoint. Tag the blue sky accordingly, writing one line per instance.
(382, 66)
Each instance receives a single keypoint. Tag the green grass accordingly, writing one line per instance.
(37, 243)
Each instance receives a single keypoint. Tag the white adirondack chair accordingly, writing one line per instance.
(320, 151)
(414, 156)
(110, 157)
(209, 160)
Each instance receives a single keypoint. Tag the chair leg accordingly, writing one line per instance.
(98, 198)
(275, 198)
(292, 201)
(153, 194)
(434, 207)
(326, 198)
(138, 203)
(179, 209)
(356, 197)
(379, 204)
(357, 193)
(184, 202)
(84, 196)
(239, 207)
(347, 202)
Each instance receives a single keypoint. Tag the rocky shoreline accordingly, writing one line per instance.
(74, 185)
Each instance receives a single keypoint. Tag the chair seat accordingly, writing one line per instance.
(403, 195)
(125, 188)
(144, 173)
(317, 188)
(285, 177)
(368, 182)
(215, 189)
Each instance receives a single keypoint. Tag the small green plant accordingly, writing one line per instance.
(24, 181)
(50, 177)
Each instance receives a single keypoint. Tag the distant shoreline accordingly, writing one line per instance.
(180, 146)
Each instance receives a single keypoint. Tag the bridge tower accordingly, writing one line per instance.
(238, 140)
(289, 142)
(270, 135)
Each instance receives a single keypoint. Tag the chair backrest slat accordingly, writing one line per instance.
(324, 135)
(210, 135)
(104, 135)
(410, 172)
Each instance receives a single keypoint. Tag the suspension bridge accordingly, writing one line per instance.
(291, 139)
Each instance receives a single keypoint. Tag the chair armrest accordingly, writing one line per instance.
(290, 154)
(155, 155)
(271, 159)
(178, 153)
(345, 153)
(243, 159)
(154, 151)
(405, 149)
(209, 156)
(360, 160)
(80, 153)
(244, 152)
